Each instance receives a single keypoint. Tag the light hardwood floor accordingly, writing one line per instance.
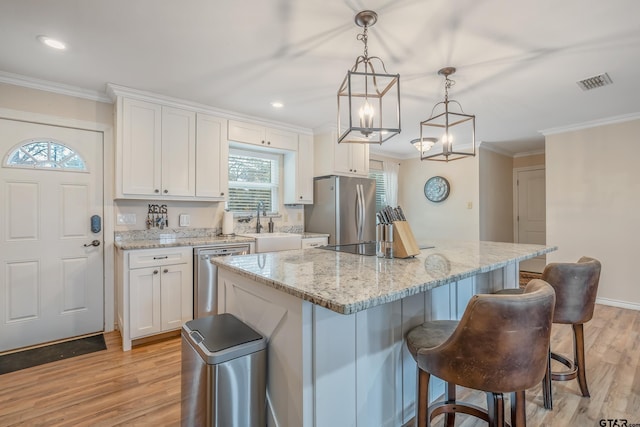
(142, 387)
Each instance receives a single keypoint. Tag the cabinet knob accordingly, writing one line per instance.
(355, 170)
(166, 270)
(268, 142)
(350, 170)
(263, 141)
(301, 197)
(156, 191)
(166, 191)
(155, 271)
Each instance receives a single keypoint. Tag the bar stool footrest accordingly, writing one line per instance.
(564, 375)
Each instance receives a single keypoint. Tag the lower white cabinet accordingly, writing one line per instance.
(155, 291)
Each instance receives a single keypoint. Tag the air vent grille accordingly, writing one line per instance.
(595, 82)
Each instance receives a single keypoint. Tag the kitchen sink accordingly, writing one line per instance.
(274, 242)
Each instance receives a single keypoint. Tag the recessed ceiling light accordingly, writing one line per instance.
(53, 43)
(276, 104)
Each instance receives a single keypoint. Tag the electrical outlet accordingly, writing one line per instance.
(126, 219)
(185, 220)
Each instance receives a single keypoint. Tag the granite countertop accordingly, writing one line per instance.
(347, 283)
(149, 239)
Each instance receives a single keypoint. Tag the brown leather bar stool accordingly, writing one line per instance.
(500, 345)
(576, 286)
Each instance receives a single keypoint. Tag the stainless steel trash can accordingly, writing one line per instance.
(224, 365)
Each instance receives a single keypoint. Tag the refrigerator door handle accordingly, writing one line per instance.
(360, 212)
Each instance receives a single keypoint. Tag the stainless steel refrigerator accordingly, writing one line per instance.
(344, 207)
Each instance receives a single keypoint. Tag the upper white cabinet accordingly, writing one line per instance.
(331, 158)
(212, 157)
(162, 152)
(251, 133)
(298, 183)
(178, 152)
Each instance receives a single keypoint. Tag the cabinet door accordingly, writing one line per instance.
(281, 139)
(144, 301)
(176, 297)
(212, 157)
(178, 152)
(359, 157)
(305, 169)
(342, 158)
(140, 147)
(246, 132)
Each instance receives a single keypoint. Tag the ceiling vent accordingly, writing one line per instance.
(595, 82)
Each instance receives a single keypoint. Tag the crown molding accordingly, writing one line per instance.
(496, 150)
(529, 153)
(59, 88)
(591, 124)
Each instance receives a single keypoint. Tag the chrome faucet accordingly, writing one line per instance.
(264, 212)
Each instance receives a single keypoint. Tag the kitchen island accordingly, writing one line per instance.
(336, 322)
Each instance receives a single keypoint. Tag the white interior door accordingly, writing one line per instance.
(531, 214)
(51, 278)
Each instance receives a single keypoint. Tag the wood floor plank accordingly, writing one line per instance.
(142, 387)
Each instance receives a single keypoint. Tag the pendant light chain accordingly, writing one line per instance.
(364, 37)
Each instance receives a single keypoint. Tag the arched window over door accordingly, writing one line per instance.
(45, 154)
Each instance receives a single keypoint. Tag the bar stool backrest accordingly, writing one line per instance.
(576, 286)
(501, 344)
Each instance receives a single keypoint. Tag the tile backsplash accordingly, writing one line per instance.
(202, 215)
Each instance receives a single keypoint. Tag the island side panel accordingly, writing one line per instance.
(285, 321)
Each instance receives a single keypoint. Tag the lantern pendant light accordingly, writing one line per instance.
(368, 99)
(440, 133)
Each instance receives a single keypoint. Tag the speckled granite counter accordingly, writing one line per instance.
(149, 239)
(167, 242)
(347, 283)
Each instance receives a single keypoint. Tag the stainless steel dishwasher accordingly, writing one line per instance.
(205, 276)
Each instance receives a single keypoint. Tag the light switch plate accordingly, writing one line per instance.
(185, 220)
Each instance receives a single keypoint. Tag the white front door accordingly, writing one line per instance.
(531, 214)
(51, 277)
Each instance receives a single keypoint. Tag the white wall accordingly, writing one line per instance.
(455, 218)
(496, 196)
(593, 199)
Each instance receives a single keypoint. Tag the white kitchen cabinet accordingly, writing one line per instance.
(156, 149)
(331, 158)
(155, 291)
(212, 157)
(251, 133)
(298, 183)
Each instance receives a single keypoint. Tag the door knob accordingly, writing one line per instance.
(94, 243)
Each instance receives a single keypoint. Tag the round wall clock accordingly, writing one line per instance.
(436, 189)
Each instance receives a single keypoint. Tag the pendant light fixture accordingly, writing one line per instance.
(447, 135)
(369, 97)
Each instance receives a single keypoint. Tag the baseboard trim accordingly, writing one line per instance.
(617, 303)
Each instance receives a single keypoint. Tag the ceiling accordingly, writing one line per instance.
(518, 62)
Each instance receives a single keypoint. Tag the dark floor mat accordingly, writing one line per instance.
(50, 353)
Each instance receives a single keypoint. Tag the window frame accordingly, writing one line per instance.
(275, 185)
(48, 165)
(377, 173)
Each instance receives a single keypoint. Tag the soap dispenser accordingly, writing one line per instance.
(271, 225)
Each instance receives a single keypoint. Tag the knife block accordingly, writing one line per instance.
(404, 242)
